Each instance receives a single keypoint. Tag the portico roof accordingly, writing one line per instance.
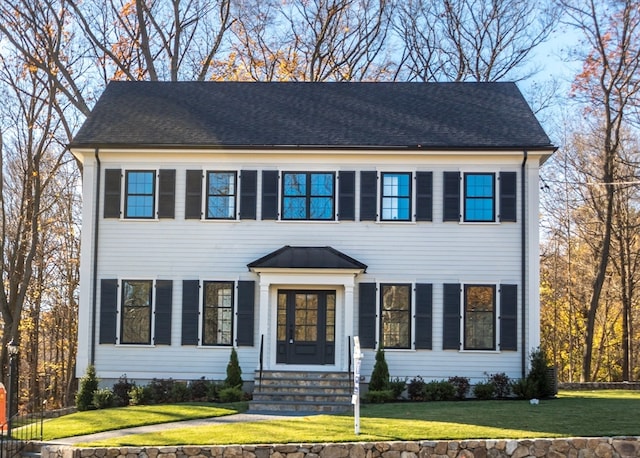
(304, 257)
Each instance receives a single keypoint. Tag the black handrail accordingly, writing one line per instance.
(350, 362)
(261, 361)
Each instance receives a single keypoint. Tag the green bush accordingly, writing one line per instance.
(121, 391)
(179, 392)
(88, 386)
(103, 398)
(379, 397)
(539, 375)
(139, 395)
(161, 391)
(380, 375)
(234, 373)
(439, 391)
(524, 388)
(461, 385)
(415, 389)
(200, 389)
(501, 385)
(484, 390)
(231, 394)
(397, 386)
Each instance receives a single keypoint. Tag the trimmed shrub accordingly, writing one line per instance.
(379, 397)
(538, 375)
(461, 385)
(179, 392)
(88, 386)
(231, 394)
(397, 386)
(234, 373)
(439, 391)
(139, 395)
(415, 389)
(121, 391)
(380, 375)
(103, 398)
(484, 390)
(199, 389)
(524, 388)
(501, 385)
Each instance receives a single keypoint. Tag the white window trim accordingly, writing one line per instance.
(123, 194)
(119, 314)
(203, 208)
(496, 321)
(234, 313)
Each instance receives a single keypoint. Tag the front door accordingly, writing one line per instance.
(306, 327)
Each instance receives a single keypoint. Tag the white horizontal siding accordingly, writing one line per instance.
(423, 252)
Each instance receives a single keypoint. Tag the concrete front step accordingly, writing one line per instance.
(312, 392)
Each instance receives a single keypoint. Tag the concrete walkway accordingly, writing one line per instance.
(235, 418)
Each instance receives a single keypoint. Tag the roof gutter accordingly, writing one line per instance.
(523, 265)
(94, 299)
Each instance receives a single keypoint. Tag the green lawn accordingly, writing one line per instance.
(601, 413)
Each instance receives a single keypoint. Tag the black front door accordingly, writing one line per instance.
(306, 327)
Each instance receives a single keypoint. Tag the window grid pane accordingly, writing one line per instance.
(479, 197)
(479, 319)
(308, 196)
(221, 195)
(140, 193)
(218, 313)
(396, 316)
(396, 196)
(136, 312)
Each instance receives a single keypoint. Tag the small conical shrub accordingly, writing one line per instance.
(380, 375)
(234, 373)
(88, 386)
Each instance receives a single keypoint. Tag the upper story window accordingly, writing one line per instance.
(395, 303)
(479, 197)
(140, 190)
(479, 317)
(135, 327)
(217, 322)
(308, 196)
(221, 195)
(396, 196)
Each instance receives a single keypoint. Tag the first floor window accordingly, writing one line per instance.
(135, 327)
(140, 194)
(221, 195)
(396, 197)
(395, 303)
(479, 317)
(479, 197)
(308, 195)
(217, 323)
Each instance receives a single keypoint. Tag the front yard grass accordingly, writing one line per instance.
(587, 414)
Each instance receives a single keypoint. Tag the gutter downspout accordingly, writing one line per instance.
(94, 304)
(523, 265)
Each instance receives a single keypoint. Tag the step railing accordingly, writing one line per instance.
(19, 431)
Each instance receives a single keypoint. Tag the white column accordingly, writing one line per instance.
(263, 325)
(348, 320)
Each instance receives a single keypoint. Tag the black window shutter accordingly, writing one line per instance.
(451, 321)
(347, 196)
(193, 198)
(112, 184)
(246, 301)
(509, 317)
(368, 195)
(451, 193)
(108, 310)
(367, 315)
(424, 316)
(190, 311)
(269, 194)
(508, 196)
(424, 196)
(167, 194)
(248, 194)
(164, 299)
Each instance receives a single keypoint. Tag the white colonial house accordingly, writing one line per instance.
(284, 219)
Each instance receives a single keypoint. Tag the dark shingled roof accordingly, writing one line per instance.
(351, 115)
(289, 257)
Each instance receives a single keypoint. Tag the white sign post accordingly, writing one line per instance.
(355, 399)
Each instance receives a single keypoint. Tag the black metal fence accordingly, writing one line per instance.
(20, 431)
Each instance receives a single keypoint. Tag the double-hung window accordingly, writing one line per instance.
(136, 306)
(479, 197)
(396, 196)
(479, 317)
(140, 191)
(217, 322)
(221, 195)
(308, 196)
(395, 302)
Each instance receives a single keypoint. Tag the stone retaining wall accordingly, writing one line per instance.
(600, 386)
(602, 447)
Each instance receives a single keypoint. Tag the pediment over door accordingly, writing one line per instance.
(290, 257)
